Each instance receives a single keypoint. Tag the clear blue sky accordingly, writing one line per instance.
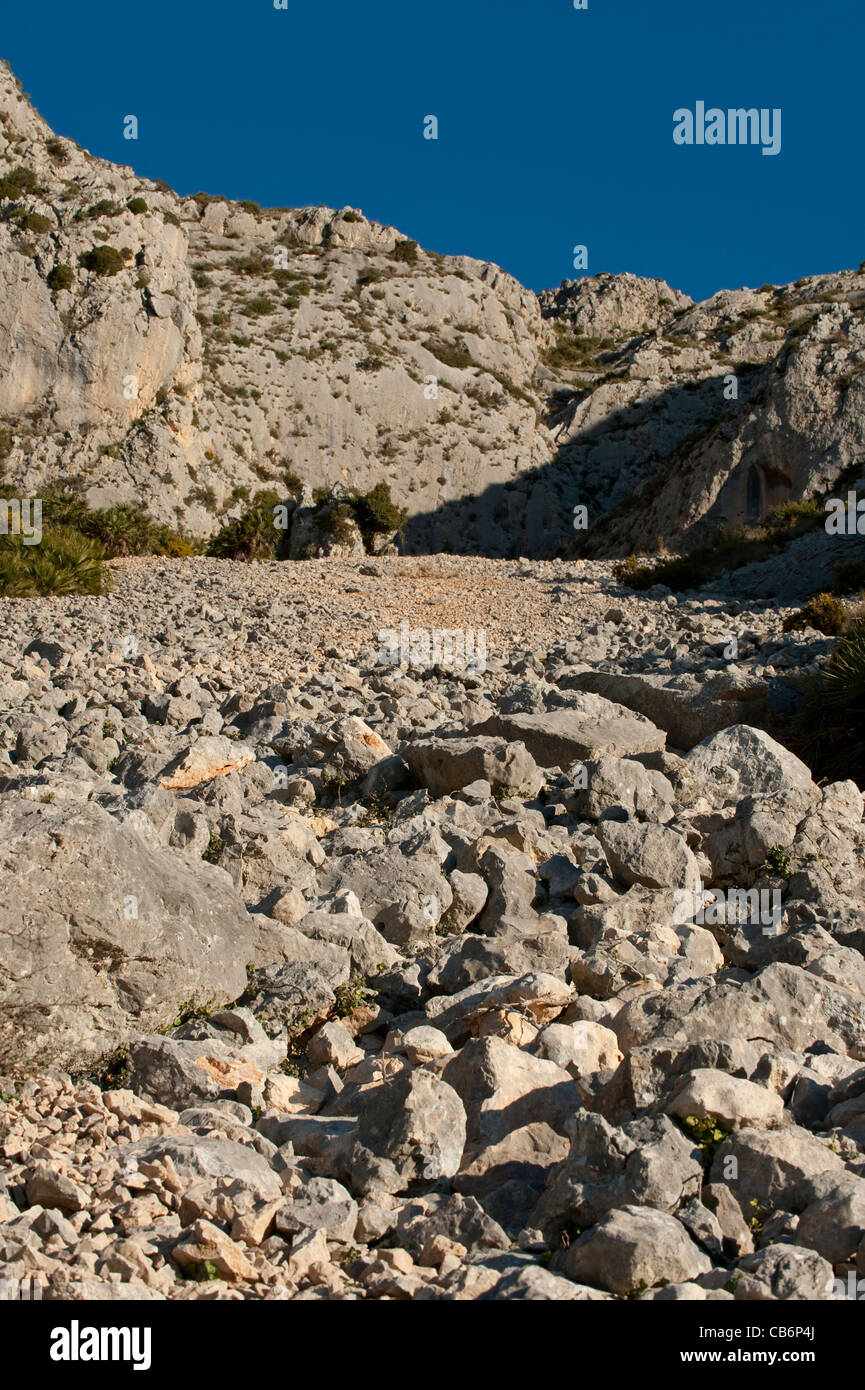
(555, 125)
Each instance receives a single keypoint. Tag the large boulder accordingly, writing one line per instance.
(104, 934)
(444, 765)
(635, 1248)
(741, 761)
(504, 1088)
(651, 855)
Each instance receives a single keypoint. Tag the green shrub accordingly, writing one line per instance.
(727, 550)
(106, 207)
(61, 277)
(56, 150)
(205, 495)
(351, 216)
(103, 260)
(253, 264)
(376, 513)
(350, 996)
(64, 562)
(120, 530)
(449, 353)
(574, 349)
(843, 680)
(707, 1133)
(18, 183)
(778, 861)
(253, 308)
(35, 222)
(136, 205)
(405, 251)
(254, 535)
(830, 732)
(824, 612)
(337, 521)
(201, 1271)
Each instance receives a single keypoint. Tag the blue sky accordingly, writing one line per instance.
(555, 125)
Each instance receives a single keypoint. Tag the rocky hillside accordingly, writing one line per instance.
(324, 979)
(223, 345)
(184, 352)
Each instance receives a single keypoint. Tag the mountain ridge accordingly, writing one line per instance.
(216, 348)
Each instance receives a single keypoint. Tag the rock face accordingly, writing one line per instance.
(225, 326)
(173, 372)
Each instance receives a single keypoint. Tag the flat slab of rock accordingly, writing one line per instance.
(688, 706)
(563, 736)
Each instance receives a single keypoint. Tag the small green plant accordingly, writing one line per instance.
(109, 729)
(201, 1271)
(375, 811)
(256, 308)
(779, 861)
(136, 205)
(351, 996)
(215, 846)
(188, 1010)
(707, 1133)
